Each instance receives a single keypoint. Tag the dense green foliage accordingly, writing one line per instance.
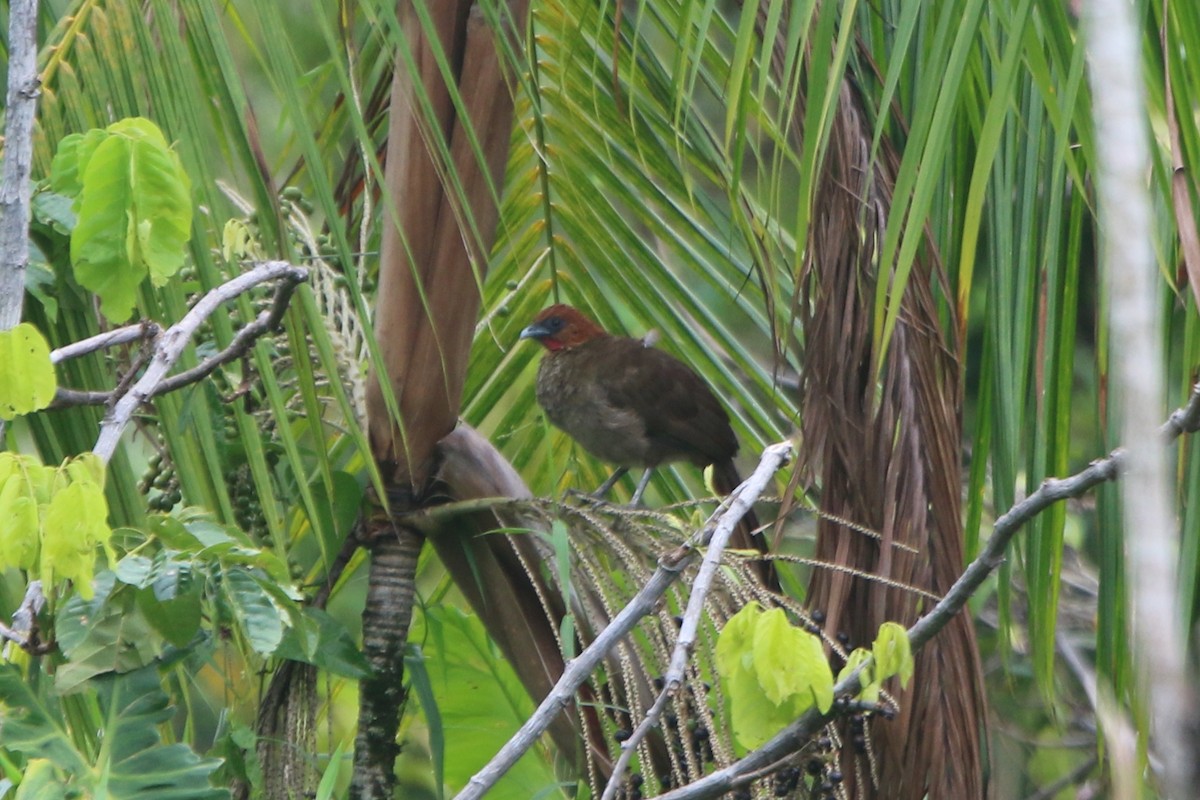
(654, 181)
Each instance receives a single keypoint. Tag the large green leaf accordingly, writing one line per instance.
(480, 703)
(106, 633)
(27, 380)
(132, 762)
(133, 207)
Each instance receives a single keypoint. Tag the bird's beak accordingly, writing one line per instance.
(534, 331)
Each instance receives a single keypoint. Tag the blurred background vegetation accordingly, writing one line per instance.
(654, 181)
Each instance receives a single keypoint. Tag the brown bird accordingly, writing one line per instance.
(634, 406)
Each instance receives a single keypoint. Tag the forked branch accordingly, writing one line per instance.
(794, 737)
(170, 344)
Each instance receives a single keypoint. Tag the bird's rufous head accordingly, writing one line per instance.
(561, 327)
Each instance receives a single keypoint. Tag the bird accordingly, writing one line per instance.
(633, 405)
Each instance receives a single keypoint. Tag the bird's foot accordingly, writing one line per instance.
(607, 486)
(636, 500)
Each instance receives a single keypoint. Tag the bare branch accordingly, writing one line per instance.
(719, 527)
(24, 630)
(242, 342)
(794, 737)
(21, 103)
(775, 457)
(171, 343)
(144, 330)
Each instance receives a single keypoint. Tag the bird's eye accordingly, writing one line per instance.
(555, 324)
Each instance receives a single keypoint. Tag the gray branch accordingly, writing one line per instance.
(170, 345)
(102, 341)
(774, 458)
(24, 632)
(794, 737)
(20, 106)
(242, 342)
(670, 566)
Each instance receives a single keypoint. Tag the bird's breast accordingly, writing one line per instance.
(574, 396)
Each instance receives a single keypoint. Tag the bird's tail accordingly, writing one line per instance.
(746, 534)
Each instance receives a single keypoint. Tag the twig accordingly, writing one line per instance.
(670, 566)
(1050, 791)
(794, 737)
(241, 344)
(774, 458)
(144, 330)
(171, 343)
(24, 630)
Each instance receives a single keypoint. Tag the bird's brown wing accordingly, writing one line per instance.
(683, 418)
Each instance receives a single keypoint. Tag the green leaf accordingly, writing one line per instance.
(737, 638)
(135, 214)
(753, 717)
(41, 781)
(27, 379)
(22, 480)
(479, 700)
(893, 653)
(76, 523)
(330, 779)
(32, 725)
(418, 677)
(136, 763)
(85, 468)
(790, 662)
(774, 655)
(870, 686)
(261, 621)
(101, 634)
(169, 595)
(73, 154)
(54, 211)
(773, 672)
(332, 648)
(134, 570)
(40, 281)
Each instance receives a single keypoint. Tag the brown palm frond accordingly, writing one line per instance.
(885, 452)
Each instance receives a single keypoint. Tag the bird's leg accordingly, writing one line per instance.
(606, 487)
(641, 487)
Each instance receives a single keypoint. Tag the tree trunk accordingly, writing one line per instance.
(426, 308)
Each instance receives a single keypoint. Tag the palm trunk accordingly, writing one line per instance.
(427, 306)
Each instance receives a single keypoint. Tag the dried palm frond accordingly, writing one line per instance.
(883, 445)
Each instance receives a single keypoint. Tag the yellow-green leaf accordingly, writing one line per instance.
(870, 687)
(76, 523)
(18, 518)
(775, 660)
(893, 653)
(27, 380)
(790, 663)
(737, 638)
(816, 676)
(85, 468)
(135, 214)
